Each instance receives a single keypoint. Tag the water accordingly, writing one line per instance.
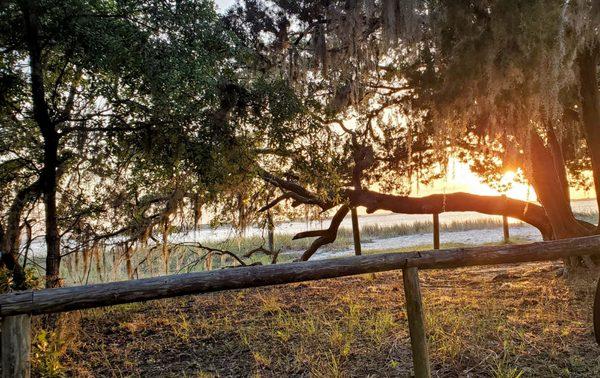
(383, 219)
(471, 237)
(379, 218)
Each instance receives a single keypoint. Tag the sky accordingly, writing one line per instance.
(224, 4)
(460, 178)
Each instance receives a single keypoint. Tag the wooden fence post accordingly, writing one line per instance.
(270, 232)
(436, 231)
(416, 322)
(505, 225)
(356, 232)
(505, 229)
(16, 346)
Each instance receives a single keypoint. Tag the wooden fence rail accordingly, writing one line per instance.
(82, 297)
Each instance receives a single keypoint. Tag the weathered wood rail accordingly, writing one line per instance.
(16, 308)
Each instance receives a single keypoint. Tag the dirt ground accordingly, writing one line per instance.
(506, 321)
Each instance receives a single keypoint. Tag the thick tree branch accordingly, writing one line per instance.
(328, 235)
(309, 234)
(274, 203)
(296, 191)
(527, 212)
(438, 203)
(10, 243)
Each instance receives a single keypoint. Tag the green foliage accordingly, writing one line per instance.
(353, 99)
(7, 284)
(6, 280)
(424, 80)
(155, 105)
(503, 70)
(48, 349)
(163, 108)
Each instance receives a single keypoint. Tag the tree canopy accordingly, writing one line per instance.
(500, 84)
(120, 116)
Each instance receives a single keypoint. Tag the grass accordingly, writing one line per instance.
(109, 265)
(426, 247)
(504, 321)
(423, 227)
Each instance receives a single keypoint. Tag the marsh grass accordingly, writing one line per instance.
(424, 227)
(110, 265)
(148, 261)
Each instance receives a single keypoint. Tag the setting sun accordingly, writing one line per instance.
(460, 178)
(517, 189)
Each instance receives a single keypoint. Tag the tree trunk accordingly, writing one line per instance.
(87, 263)
(550, 190)
(48, 178)
(590, 108)
(355, 232)
(128, 264)
(49, 183)
(558, 161)
(549, 183)
(11, 241)
(197, 211)
(166, 255)
(270, 232)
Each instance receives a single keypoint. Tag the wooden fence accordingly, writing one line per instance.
(16, 308)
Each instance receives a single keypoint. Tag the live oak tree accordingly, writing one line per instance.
(118, 115)
(401, 86)
(522, 92)
(517, 87)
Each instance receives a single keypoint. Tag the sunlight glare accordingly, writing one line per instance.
(460, 178)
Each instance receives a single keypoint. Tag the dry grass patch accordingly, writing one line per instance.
(496, 322)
